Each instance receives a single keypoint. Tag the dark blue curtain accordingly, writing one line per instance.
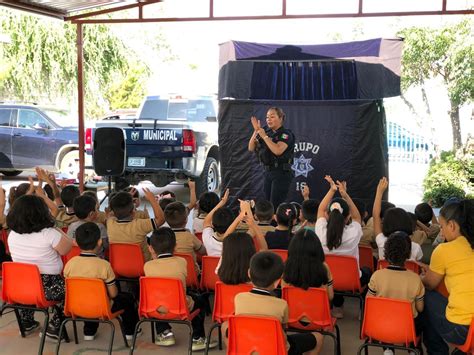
(323, 80)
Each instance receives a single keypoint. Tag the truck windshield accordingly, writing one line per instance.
(185, 110)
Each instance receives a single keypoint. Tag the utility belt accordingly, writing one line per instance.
(278, 166)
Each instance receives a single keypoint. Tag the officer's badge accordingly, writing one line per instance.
(284, 136)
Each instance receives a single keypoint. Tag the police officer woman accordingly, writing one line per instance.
(274, 145)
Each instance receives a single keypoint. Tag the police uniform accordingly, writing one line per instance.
(278, 173)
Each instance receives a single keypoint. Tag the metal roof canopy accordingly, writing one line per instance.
(67, 10)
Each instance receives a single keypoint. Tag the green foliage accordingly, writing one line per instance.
(128, 92)
(448, 177)
(447, 53)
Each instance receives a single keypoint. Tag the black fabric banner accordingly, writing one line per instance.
(344, 139)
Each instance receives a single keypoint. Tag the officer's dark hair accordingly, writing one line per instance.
(279, 112)
(176, 215)
(336, 223)
(68, 194)
(207, 201)
(424, 213)
(462, 213)
(83, 205)
(310, 209)
(396, 220)
(163, 240)
(222, 219)
(87, 235)
(286, 215)
(122, 205)
(397, 248)
(265, 268)
(264, 210)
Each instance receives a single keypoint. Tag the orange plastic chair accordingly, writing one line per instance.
(388, 321)
(224, 306)
(345, 276)
(127, 261)
(191, 279)
(75, 251)
(468, 346)
(208, 274)
(311, 306)
(23, 289)
(262, 335)
(87, 300)
(163, 299)
(282, 253)
(366, 257)
(409, 265)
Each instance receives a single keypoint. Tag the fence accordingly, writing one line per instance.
(406, 146)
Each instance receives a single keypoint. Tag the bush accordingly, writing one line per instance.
(447, 177)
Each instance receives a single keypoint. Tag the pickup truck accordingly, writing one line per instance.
(173, 138)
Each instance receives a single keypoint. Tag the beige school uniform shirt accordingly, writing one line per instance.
(186, 242)
(261, 305)
(170, 266)
(368, 236)
(64, 218)
(264, 228)
(418, 237)
(398, 283)
(131, 231)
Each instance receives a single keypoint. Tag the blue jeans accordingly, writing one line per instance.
(437, 330)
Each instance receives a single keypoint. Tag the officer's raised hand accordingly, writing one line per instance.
(255, 123)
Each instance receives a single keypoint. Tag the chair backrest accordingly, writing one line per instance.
(345, 272)
(282, 253)
(22, 284)
(312, 305)
(191, 279)
(468, 346)
(388, 320)
(126, 260)
(86, 298)
(224, 296)
(252, 334)
(208, 274)
(409, 265)
(162, 298)
(366, 257)
(75, 251)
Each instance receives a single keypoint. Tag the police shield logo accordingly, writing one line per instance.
(302, 166)
(135, 135)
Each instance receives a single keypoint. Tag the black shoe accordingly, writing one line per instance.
(52, 333)
(29, 326)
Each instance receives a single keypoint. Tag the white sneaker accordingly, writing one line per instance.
(166, 338)
(200, 344)
(89, 337)
(388, 352)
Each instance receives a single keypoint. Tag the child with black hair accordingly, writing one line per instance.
(427, 221)
(176, 216)
(85, 208)
(237, 249)
(123, 228)
(66, 214)
(418, 236)
(143, 214)
(89, 265)
(309, 212)
(266, 269)
(368, 235)
(395, 220)
(207, 201)
(397, 282)
(339, 228)
(286, 217)
(165, 264)
(263, 215)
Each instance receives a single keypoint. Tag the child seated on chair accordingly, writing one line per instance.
(123, 228)
(101, 215)
(176, 216)
(89, 265)
(264, 212)
(141, 214)
(427, 221)
(286, 217)
(165, 264)
(397, 282)
(418, 236)
(85, 208)
(207, 201)
(309, 212)
(266, 269)
(66, 214)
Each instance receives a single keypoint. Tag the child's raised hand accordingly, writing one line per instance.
(149, 195)
(225, 197)
(342, 187)
(192, 184)
(329, 179)
(382, 186)
(31, 189)
(255, 123)
(305, 192)
(2, 193)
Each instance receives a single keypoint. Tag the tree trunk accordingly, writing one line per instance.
(456, 126)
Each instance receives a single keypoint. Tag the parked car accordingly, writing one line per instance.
(32, 136)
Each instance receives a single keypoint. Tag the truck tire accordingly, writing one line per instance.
(70, 164)
(210, 179)
(11, 172)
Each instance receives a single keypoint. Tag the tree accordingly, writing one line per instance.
(447, 53)
(128, 92)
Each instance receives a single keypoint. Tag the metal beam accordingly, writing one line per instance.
(39, 10)
(138, 4)
(80, 102)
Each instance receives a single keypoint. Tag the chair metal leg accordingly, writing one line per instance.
(363, 346)
(190, 345)
(43, 334)
(74, 326)
(132, 348)
(112, 331)
(338, 339)
(18, 319)
(152, 331)
(220, 337)
(61, 328)
(208, 339)
(123, 332)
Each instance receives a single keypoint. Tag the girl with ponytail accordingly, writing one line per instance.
(339, 228)
(448, 319)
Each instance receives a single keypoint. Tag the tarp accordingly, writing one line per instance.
(345, 139)
(355, 70)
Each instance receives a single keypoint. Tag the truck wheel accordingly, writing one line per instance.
(11, 172)
(70, 164)
(210, 179)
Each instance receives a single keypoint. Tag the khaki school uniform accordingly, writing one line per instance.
(131, 231)
(419, 237)
(368, 236)
(264, 228)
(64, 218)
(398, 283)
(141, 214)
(186, 242)
(101, 218)
(170, 266)
(261, 304)
(433, 231)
